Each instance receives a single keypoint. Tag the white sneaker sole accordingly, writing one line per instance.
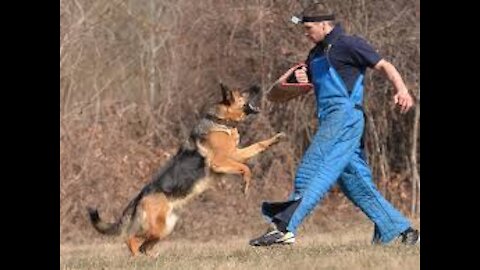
(287, 239)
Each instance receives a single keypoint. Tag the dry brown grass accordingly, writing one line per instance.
(346, 248)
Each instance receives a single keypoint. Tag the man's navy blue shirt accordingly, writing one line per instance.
(349, 55)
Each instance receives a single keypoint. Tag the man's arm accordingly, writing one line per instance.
(402, 97)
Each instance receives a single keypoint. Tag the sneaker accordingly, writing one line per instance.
(273, 237)
(410, 236)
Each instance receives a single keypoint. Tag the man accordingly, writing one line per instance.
(335, 69)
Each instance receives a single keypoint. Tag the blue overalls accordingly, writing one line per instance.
(336, 153)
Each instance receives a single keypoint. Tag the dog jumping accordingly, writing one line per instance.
(211, 150)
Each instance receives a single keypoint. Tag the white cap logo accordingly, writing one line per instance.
(296, 20)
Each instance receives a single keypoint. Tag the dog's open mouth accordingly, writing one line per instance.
(249, 109)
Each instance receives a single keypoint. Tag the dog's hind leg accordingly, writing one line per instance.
(159, 234)
(160, 220)
(221, 164)
(136, 232)
(134, 243)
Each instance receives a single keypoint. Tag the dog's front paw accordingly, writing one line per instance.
(279, 137)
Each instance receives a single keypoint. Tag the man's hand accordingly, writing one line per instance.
(301, 75)
(404, 100)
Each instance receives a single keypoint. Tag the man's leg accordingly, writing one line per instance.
(356, 182)
(332, 147)
(313, 180)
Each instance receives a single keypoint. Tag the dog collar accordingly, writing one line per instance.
(228, 123)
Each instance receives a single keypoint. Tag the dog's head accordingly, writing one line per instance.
(237, 104)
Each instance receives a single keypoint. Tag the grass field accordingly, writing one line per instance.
(348, 248)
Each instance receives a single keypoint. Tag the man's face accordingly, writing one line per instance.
(315, 31)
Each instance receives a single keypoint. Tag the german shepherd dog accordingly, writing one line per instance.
(210, 151)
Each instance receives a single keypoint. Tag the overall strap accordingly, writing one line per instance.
(356, 106)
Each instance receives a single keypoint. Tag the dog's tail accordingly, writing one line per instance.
(114, 228)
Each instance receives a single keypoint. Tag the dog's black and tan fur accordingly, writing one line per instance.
(211, 150)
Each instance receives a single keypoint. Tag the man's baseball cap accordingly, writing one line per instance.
(316, 12)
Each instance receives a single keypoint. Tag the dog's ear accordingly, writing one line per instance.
(226, 94)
